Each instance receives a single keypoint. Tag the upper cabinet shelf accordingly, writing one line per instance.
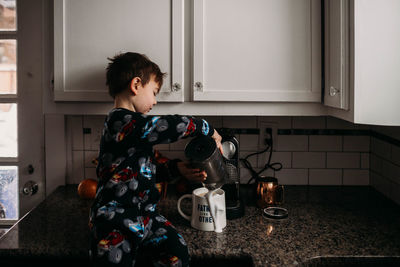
(86, 33)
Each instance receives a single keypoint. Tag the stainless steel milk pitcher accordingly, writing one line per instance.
(202, 153)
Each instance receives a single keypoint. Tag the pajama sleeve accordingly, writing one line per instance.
(170, 128)
(144, 130)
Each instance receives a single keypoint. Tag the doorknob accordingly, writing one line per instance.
(30, 188)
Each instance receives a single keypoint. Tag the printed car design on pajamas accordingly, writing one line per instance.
(114, 244)
(139, 227)
(122, 180)
(146, 168)
(109, 210)
(123, 217)
(126, 130)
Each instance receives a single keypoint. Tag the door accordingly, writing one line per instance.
(258, 50)
(86, 33)
(22, 181)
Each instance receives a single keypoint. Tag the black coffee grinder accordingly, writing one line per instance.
(233, 202)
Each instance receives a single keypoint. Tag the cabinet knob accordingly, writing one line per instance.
(333, 91)
(198, 86)
(176, 87)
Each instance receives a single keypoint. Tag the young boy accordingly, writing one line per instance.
(125, 227)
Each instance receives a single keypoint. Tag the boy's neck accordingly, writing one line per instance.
(123, 102)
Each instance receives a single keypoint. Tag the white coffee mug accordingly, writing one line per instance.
(202, 217)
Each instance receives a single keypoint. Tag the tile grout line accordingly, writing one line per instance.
(84, 149)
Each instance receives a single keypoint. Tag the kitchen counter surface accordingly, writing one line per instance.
(322, 221)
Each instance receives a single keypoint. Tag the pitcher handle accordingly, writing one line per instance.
(214, 211)
(187, 217)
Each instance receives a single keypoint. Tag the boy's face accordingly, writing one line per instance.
(145, 97)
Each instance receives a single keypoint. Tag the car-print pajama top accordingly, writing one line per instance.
(125, 227)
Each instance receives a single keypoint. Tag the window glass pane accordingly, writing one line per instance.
(8, 67)
(8, 192)
(7, 15)
(8, 130)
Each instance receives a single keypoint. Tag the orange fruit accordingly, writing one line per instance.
(87, 188)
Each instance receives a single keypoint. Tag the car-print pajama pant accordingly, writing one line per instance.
(151, 241)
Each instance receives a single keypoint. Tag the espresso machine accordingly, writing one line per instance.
(230, 146)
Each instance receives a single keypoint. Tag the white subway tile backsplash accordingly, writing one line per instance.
(78, 166)
(356, 143)
(75, 128)
(89, 157)
(325, 143)
(285, 158)
(386, 187)
(292, 176)
(248, 142)
(245, 175)
(335, 123)
(309, 122)
(239, 122)
(215, 121)
(396, 154)
(375, 163)
(390, 131)
(292, 143)
(160, 147)
(306, 159)
(252, 160)
(96, 124)
(268, 172)
(381, 184)
(90, 173)
(174, 155)
(365, 161)
(355, 177)
(381, 148)
(395, 196)
(343, 160)
(180, 144)
(309, 160)
(391, 171)
(325, 176)
(283, 122)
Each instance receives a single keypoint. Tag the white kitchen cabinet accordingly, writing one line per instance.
(363, 65)
(87, 32)
(336, 46)
(257, 50)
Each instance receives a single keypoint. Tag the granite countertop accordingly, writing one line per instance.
(322, 221)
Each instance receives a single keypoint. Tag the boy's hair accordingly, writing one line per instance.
(124, 67)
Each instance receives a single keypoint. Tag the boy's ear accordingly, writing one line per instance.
(135, 83)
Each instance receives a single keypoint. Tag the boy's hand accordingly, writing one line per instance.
(218, 140)
(193, 175)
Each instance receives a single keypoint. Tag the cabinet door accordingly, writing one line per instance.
(337, 54)
(257, 50)
(87, 32)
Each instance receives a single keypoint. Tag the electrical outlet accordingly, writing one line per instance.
(264, 134)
